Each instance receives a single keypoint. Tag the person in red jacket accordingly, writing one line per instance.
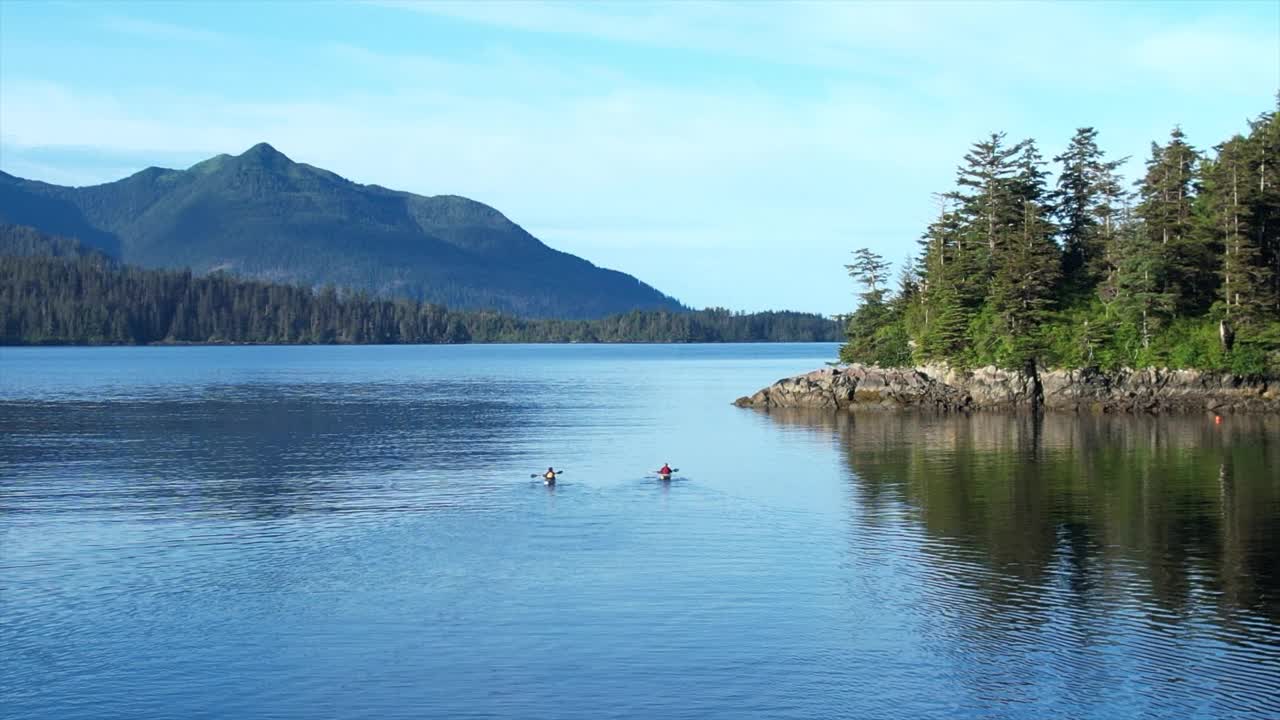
(666, 469)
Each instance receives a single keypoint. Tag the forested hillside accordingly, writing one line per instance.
(261, 215)
(1179, 269)
(55, 291)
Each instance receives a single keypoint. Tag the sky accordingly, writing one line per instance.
(731, 155)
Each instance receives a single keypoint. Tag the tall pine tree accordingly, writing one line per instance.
(1263, 180)
(944, 276)
(986, 202)
(1187, 263)
(1138, 284)
(1085, 205)
(1225, 204)
(867, 340)
(1028, 263)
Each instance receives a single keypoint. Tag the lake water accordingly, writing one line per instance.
(340, 532)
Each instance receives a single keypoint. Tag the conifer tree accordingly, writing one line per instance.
(1263, 153)
(1029, 183)
(987, 204)
(1138, 283)
(1187, 264)
(1085, 206)
(1025, 284)
(1113, 211)
(942, 315)
(1025, 262)
(1225, 205)
(870, 269)
(868, 341)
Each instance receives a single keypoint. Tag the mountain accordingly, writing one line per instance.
(262, 215)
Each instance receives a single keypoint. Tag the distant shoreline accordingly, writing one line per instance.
(54, 291)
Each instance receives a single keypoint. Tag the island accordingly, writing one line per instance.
(1080, 295)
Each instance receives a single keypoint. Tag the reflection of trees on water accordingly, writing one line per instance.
(1188, 507)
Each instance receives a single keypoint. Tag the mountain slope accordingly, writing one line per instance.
(261, 215)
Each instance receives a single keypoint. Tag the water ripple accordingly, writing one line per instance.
(267, 531)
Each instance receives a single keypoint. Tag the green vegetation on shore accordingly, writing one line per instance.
(53, 291)
(1183, 272)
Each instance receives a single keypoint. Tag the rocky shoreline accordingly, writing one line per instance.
(945, 389)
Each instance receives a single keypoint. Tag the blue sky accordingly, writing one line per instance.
(730, 154)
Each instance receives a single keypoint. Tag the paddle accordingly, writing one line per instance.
(673, 472)
(542, 474)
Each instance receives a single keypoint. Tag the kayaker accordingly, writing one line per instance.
(550, 474)
(666, 469)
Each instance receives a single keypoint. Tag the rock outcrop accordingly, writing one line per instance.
(1157, 390)
(945, 389)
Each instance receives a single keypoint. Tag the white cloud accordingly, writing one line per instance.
(652, 174)
(1070, 44)
(612, 177)
(168, 32)
(57, 173)
(1212, 53)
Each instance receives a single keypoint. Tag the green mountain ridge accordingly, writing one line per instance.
(261, 215)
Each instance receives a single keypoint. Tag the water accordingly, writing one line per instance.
(352, 532)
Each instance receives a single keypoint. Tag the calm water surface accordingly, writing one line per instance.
(341, 532)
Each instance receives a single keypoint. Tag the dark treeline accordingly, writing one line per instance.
(53, 292)
(1181, 271)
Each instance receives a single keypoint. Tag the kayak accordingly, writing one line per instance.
(664, 476)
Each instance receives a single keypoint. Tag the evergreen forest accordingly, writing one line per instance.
(1068, 264)
(55, 291)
